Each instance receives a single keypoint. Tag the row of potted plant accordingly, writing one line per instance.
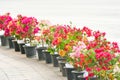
(88, 52)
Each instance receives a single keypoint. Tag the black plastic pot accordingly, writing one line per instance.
(62, 65)
(30, 51)
(54, 60)
(76, 73)
(16, 46)
(69, 73)
(40, 53)
(22, 48)
(10, 42)
(82, 78)
(60, 59)
(47, 57)
(3, 40)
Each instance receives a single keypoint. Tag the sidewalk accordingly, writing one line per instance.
(15, 66)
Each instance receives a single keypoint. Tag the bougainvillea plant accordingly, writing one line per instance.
(65, 37)
(45, 31)
(27, 27)
(98, 57)
(4, 20)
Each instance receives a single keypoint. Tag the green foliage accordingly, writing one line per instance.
(51, 50)
(117, 75)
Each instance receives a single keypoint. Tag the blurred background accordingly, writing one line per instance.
(103, 15)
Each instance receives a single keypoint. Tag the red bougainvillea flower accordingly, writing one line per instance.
(4, 21)
(98, 34)
(98, 50)
(105, 57)
(115, 47)
(57, 41)
(46, 32)
(87, 31)
(92, 44)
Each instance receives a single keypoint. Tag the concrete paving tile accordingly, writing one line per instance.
(15, 66)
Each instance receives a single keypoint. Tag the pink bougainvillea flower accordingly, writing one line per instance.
(4, 21)
(26, 28)
(45, 23)
(36, 30)
(7, 32)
